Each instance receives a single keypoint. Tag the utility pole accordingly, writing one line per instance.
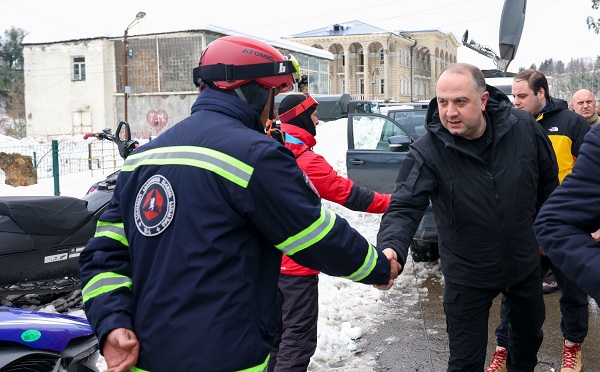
(126, 87)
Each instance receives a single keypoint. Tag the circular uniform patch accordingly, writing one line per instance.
(154, 206)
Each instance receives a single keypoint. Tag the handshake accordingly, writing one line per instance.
(395, 269)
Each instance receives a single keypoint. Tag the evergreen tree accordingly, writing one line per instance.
(12, 86)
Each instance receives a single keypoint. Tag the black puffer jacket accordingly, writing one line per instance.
(484, 211)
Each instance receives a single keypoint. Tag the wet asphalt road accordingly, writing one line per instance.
(414, 335)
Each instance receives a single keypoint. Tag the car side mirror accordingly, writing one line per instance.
(399, 143)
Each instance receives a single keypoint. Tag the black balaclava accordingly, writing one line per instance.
(303, 120)
(252, 93)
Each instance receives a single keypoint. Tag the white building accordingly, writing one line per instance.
(74, 87)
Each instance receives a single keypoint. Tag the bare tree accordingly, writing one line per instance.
(594, 24)
(15, 108)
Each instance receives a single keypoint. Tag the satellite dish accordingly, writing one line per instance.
(511, 28)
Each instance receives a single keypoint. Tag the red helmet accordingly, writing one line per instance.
(232, 61)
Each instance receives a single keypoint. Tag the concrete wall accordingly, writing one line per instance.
(151, 114)
(55, 104)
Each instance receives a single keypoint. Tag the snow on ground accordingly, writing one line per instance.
(347, 310)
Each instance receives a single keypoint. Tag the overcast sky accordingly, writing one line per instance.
(553, 28)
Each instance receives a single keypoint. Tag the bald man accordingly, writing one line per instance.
(584, 103)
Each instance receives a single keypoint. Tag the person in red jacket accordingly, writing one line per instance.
(296, 339)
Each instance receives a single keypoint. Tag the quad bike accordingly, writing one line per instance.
(42, 236)
(35, 341)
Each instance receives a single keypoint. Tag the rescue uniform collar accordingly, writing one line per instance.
(230, 105)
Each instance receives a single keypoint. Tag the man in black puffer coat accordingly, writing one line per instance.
(487, 168)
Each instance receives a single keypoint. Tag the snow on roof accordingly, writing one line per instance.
(343, 29)
(50, 38)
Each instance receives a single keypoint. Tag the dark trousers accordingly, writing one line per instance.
(296, 337)
(573, 308)
(467, 314)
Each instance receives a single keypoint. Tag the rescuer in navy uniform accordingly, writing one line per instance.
(182, 271)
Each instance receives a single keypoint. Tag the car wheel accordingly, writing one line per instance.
(424, 251)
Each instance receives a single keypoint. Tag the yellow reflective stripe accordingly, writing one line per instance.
(367, 266)
(259, 368)
(112, 230)
(309, 236)
(217, 162)
(104, 283)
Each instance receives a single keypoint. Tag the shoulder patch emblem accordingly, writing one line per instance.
(154, 206)
(310, 184)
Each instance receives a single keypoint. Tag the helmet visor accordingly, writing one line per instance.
(295, 68)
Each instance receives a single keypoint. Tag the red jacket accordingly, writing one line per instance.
(329, 184)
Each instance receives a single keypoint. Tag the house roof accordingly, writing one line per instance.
(343, 29)
(276, 42)
(358, 28)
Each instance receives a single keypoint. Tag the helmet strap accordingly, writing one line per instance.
(272, 103)
(240, 94)
(271, 128)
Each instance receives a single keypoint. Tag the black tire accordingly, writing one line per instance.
(424, 251)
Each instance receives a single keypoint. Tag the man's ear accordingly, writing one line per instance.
(542, 92)
(484, 98)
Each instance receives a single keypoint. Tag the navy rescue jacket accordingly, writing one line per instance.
(188, 253)
(484, 210)
(566, 221)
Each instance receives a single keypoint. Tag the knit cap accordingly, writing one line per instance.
(299, 116)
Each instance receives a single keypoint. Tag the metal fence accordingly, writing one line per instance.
(73, 156)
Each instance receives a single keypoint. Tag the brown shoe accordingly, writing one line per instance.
(571, 359)
(498, 363)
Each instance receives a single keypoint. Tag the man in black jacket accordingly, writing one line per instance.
(487, 168)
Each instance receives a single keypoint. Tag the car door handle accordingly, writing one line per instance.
(356, 162)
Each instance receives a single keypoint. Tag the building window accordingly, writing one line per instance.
(342, 86)
(381, 56)
(78, 68)
(381, 85)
